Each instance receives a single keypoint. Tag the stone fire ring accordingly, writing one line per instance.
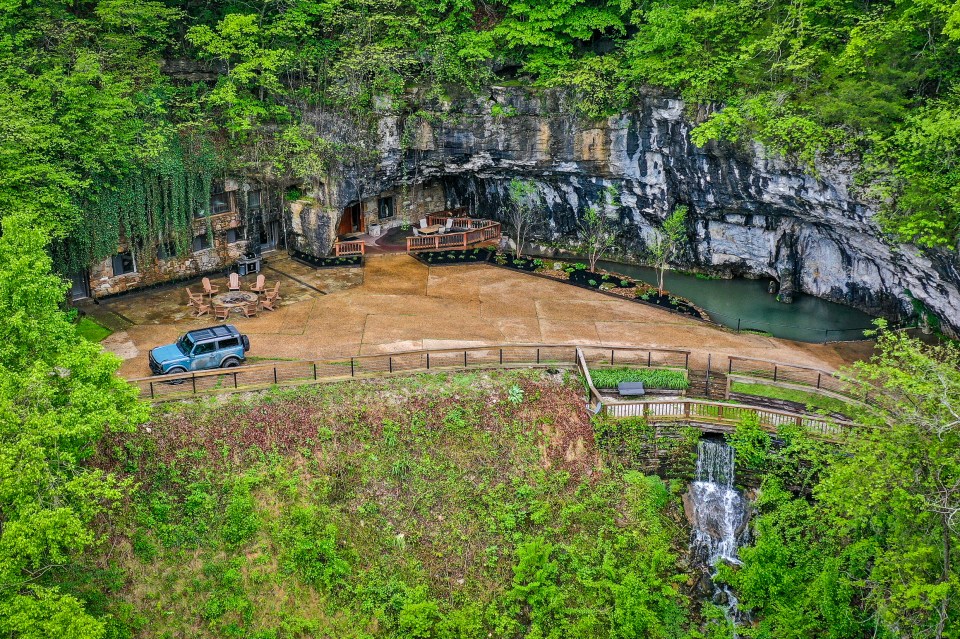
(234, 299)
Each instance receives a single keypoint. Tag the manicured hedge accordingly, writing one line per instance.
(654, 378)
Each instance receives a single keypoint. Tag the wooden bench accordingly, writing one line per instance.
(631, 388)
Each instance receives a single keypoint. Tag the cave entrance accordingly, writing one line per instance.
(351, 220)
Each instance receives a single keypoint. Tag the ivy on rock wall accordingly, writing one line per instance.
(151, 207)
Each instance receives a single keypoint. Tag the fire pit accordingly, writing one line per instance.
(234, 299)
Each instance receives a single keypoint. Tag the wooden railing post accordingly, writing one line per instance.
(193, 378)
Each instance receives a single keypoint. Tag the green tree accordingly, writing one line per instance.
(523, 216)
(666, 241)
(58, 396)
(857, 539)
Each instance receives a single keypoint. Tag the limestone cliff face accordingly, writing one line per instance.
(750, 213)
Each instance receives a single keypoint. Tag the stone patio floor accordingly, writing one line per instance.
(396, 303)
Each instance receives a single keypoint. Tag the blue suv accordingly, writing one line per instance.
(215, 347)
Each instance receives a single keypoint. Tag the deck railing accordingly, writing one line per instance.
(352, 247)
(477, 231)
(723, 415)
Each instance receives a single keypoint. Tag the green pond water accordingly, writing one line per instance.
(747, 304)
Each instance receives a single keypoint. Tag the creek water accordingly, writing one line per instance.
(718, 514)
(746, 304)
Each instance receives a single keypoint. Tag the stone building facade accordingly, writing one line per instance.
(214, 248)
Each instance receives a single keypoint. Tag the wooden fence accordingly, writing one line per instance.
(708, 415)
(792, 376)
(308, 371)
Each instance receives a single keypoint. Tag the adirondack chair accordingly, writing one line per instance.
(193, 297)
(270, 300)
(260, 286)
(200, 307)
(251, 309)
(208, 288)
(234, 283)
(221, 312)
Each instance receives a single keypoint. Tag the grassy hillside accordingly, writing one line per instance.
(469, 505)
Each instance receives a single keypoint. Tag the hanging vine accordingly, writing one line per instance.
(152, 205)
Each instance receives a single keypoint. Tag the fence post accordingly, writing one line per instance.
(314, 371)
(707, 383)
(428, 361)
(274, 374)
(649, 358)
(235, 380)
(818, 380)
(729, 365)
(774, 372)
(686, 360)
(538, 356)
(738, 326)
(390, 363)
(611, 357)
(464, 358)
(151, 390)
(193, 378)
(351, 367)
(501, 357)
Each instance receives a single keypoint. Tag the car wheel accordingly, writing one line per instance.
(176, 370)
(230, 362)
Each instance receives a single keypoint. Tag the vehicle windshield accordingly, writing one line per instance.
(185, 344)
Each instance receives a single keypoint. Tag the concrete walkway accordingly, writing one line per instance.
(396, 303)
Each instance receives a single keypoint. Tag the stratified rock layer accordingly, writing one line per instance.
(750, 213)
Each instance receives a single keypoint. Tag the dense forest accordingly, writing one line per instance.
(99, 142)
(302, 523)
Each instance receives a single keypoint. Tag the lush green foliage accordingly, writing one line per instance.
(89, 112)
(92, 331)
(58, 396)
(468, 505)
(665, 378)
(859, 541)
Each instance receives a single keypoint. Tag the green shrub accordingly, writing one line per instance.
(240, 521)
(659, 378)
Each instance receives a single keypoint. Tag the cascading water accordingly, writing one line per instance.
(718, 514)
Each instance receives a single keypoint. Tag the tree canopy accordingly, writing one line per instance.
(89, 101)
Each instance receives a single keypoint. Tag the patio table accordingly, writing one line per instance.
(431, 230)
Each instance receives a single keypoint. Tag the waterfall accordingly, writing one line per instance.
(718, 513)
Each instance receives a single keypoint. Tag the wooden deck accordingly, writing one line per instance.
(474, 231)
